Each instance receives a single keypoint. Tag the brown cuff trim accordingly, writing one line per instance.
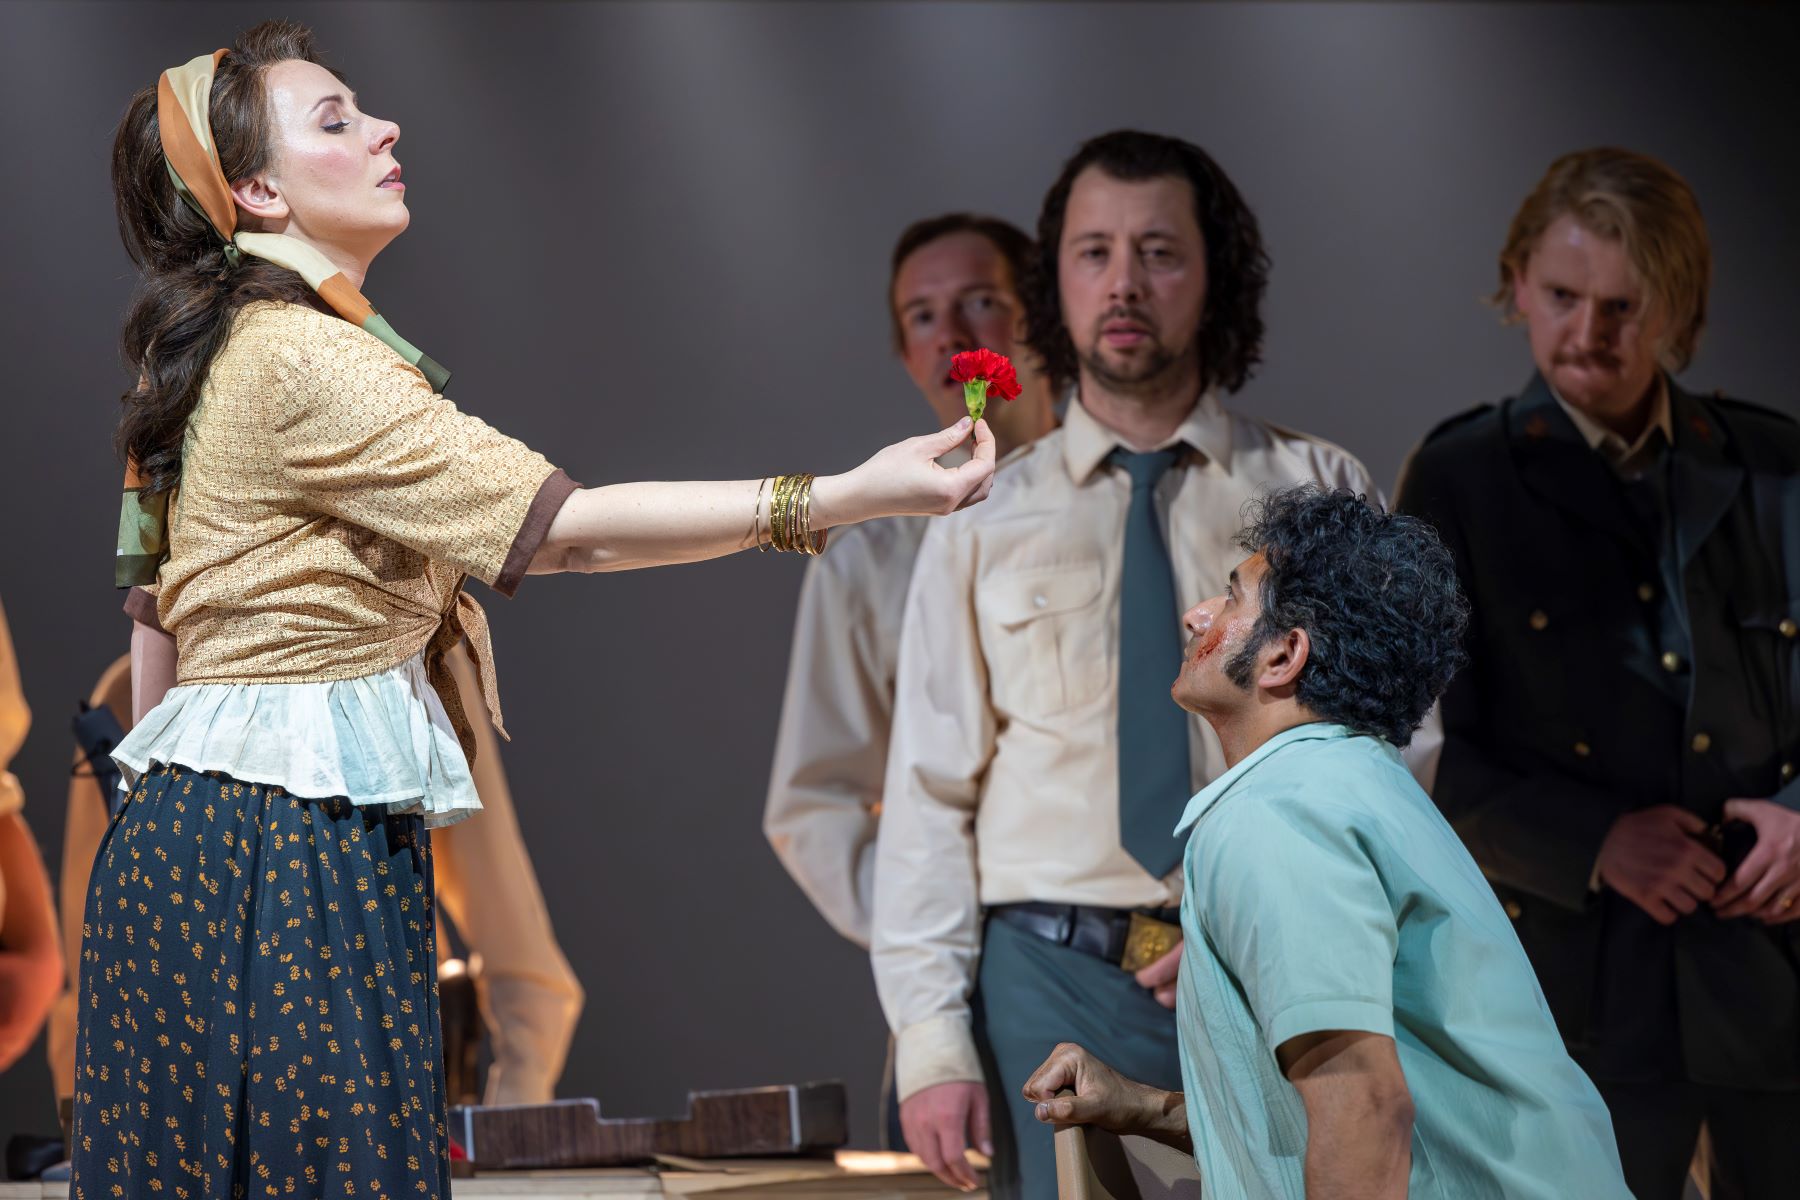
(549, 500)
(140, 606)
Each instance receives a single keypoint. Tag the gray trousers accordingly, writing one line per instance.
(1032, 994)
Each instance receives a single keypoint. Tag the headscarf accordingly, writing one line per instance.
(184, 120)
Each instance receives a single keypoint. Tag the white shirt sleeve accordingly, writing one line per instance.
(927, 928)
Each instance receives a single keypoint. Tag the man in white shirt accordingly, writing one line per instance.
(954, 285)
(1037, 767)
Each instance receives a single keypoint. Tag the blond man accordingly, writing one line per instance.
(1620, 754)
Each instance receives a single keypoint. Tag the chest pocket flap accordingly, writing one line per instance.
(1024, 595)
(1048, 649)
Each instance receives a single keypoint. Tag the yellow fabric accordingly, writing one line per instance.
(330, 504)
(15, 721)
(84, 824)
(530, 996)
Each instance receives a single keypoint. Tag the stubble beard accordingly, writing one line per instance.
(1149, 376)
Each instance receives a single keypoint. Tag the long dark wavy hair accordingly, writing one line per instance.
(1237, 266)
(188, 293)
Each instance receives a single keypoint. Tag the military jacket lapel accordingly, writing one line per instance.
(1556, 464)
(1704, 480)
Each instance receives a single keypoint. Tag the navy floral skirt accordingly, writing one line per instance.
(258, 1000)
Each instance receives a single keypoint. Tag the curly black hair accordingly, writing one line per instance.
(1237, 266)
(1377, 596)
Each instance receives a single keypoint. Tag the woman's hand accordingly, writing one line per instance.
(905, 480)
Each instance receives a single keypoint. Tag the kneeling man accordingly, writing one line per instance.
(1356, 1016)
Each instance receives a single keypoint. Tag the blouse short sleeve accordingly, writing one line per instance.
(363, 438)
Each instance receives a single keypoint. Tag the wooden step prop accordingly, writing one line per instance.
(805, 1118)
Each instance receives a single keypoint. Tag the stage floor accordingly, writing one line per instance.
(853, 1175)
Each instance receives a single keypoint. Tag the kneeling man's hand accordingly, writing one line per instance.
(1104, 1098)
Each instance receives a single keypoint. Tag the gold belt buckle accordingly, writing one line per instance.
(1147, 940)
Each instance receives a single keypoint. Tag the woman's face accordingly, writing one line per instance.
(332, 173)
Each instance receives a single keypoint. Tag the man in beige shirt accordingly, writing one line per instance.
(954, 285)
(1024, 822)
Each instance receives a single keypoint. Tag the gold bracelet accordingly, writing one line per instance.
(802, 527)
(790, 515)
(779, 532)
(806, 534)
(756, 516)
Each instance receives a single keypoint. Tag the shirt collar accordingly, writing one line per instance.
(1617, 452)
(1215, 791)
(1086, 442)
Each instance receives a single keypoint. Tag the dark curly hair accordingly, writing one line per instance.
(1237, 266)
(188, 293)
(1377, 596)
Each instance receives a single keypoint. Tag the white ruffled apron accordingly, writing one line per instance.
(382, 740)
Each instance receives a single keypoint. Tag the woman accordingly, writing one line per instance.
(259, 1009)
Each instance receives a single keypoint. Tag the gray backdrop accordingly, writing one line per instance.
(651, 240)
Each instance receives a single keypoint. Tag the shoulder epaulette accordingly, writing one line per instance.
(1460, 419)
(1750, 407)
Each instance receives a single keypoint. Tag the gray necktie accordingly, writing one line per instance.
(1154, 778)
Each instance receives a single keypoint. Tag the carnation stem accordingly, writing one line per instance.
(975, 397)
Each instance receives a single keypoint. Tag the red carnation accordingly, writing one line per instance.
(980, 372)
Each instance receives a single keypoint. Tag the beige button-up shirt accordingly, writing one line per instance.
(831, 749)
(1002, 774)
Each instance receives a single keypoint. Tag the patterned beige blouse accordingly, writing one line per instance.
(330, 506)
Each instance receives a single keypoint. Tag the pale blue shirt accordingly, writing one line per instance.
(1326, 892)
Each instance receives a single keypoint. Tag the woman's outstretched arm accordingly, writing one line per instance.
(624, 526)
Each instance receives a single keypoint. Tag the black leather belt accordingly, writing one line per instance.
(1107, 933)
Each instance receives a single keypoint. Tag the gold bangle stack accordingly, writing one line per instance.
(790, 517)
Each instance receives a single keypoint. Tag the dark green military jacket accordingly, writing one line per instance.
(1619, 661)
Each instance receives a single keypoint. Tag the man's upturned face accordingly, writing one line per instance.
(1219, 630)
(1594, 334)
(1132, 271)
(952, 294)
